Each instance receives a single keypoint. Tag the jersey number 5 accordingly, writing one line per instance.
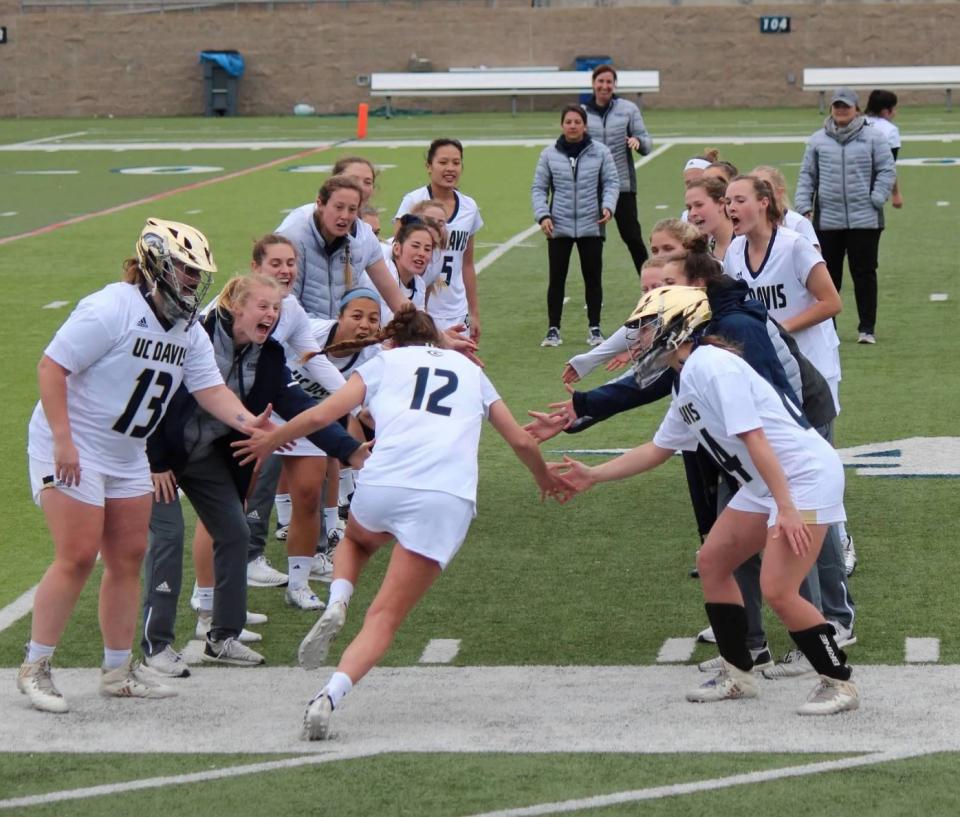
(433, 401)
(446, 269)
(144, 381)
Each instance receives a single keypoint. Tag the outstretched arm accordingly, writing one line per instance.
(582, 477)
(527, 451)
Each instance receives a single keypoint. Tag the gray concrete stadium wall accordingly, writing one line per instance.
(64, 63)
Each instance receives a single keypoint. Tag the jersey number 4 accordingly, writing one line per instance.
(438, 394)
(728, 462)
(155, 406)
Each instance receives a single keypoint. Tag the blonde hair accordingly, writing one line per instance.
(779, 184)
(679, 231)
(236, 292)
(654, 262)
(418, 210)
(132, 272)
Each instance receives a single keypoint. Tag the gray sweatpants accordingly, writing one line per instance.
(209, 486)
(260, 505)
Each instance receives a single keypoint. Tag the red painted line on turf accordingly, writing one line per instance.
(49, 228)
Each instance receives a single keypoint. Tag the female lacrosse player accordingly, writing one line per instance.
(418, 487)
(791, 489)
(790, 219)
(706, 210)
(455, 302)
(669, 235)
(105, 382)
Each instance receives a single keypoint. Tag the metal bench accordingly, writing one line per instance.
(509, 82)
(919, 77)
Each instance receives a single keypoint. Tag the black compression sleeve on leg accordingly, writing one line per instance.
(729, 622)
(821, 650)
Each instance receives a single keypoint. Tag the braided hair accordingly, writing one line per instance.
(409, 327)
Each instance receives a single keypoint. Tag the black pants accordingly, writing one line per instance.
(860, 247)
(629, 227)
(590, 250)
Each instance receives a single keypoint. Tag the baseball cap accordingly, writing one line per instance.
(847, 96)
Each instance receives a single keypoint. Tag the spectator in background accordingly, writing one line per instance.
(575, 191)
(849, 170)
(619, 125)
(881, 108)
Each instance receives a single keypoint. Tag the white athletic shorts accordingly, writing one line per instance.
(94, 487)
(430, 523)
(820, 502)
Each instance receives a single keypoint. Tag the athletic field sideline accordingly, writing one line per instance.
(560, 695)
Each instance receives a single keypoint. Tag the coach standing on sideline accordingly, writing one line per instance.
(618, 124)
(849, 169)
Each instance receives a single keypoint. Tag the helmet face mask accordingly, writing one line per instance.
(664, 319)
(176, 260)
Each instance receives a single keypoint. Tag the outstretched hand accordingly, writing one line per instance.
(256, 448)
(575, 475)
(618, 361)
(452, 339)
(569, 375)
(556, 486)
(545, 426)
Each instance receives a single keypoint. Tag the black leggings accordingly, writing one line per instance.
(629, 227)
(860, 247)
(590, 250)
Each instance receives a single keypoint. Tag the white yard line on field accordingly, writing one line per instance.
(921, 650)
(440, 651)
(676, 650)
(45, 139)
(695, 786)
(17, 609)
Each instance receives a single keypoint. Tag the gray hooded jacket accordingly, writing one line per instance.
(850, 171)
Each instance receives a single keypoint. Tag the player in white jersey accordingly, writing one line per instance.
(791, 491)
(418, 487)
(455, 301)
(706, 205)
(411, 253)
(785, 273)
(790, 219)
(105, 381)
(881, 110)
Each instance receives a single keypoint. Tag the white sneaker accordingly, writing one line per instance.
(195, 598)
(552, 338)
(261, 574)
(316, 644)
(304, 598)
(231, 653)
(793, 665)
(849, 555)
(253, 619)
(35, 681)
(281, 532)
(706, 636)
(131, 680)
(321, 568)
(167, 662)
(830, 696)
(761, 660)
(205, 622)
(729, 684)
(595, 336)
(844, 636)
(866, 337)
(316, 720)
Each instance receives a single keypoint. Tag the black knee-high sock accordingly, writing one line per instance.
(821, 650)
(729, 622)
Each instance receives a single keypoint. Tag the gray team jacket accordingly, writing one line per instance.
(321, 280)
(612, 127)
(573, 192)
(851, 175)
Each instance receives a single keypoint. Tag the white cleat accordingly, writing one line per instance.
(706, 636)
(849, 555)
(830, 696)
(321, 568)
(168, 662)
(260, 573)
(131, 680)
(36, 682)
(844, 636)
(793, 665)
(316, 644)
(253, 619)
(316, 720)
(761, 660)
(730, 684)
(281, 532)
(304, 598)
(205, 622)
